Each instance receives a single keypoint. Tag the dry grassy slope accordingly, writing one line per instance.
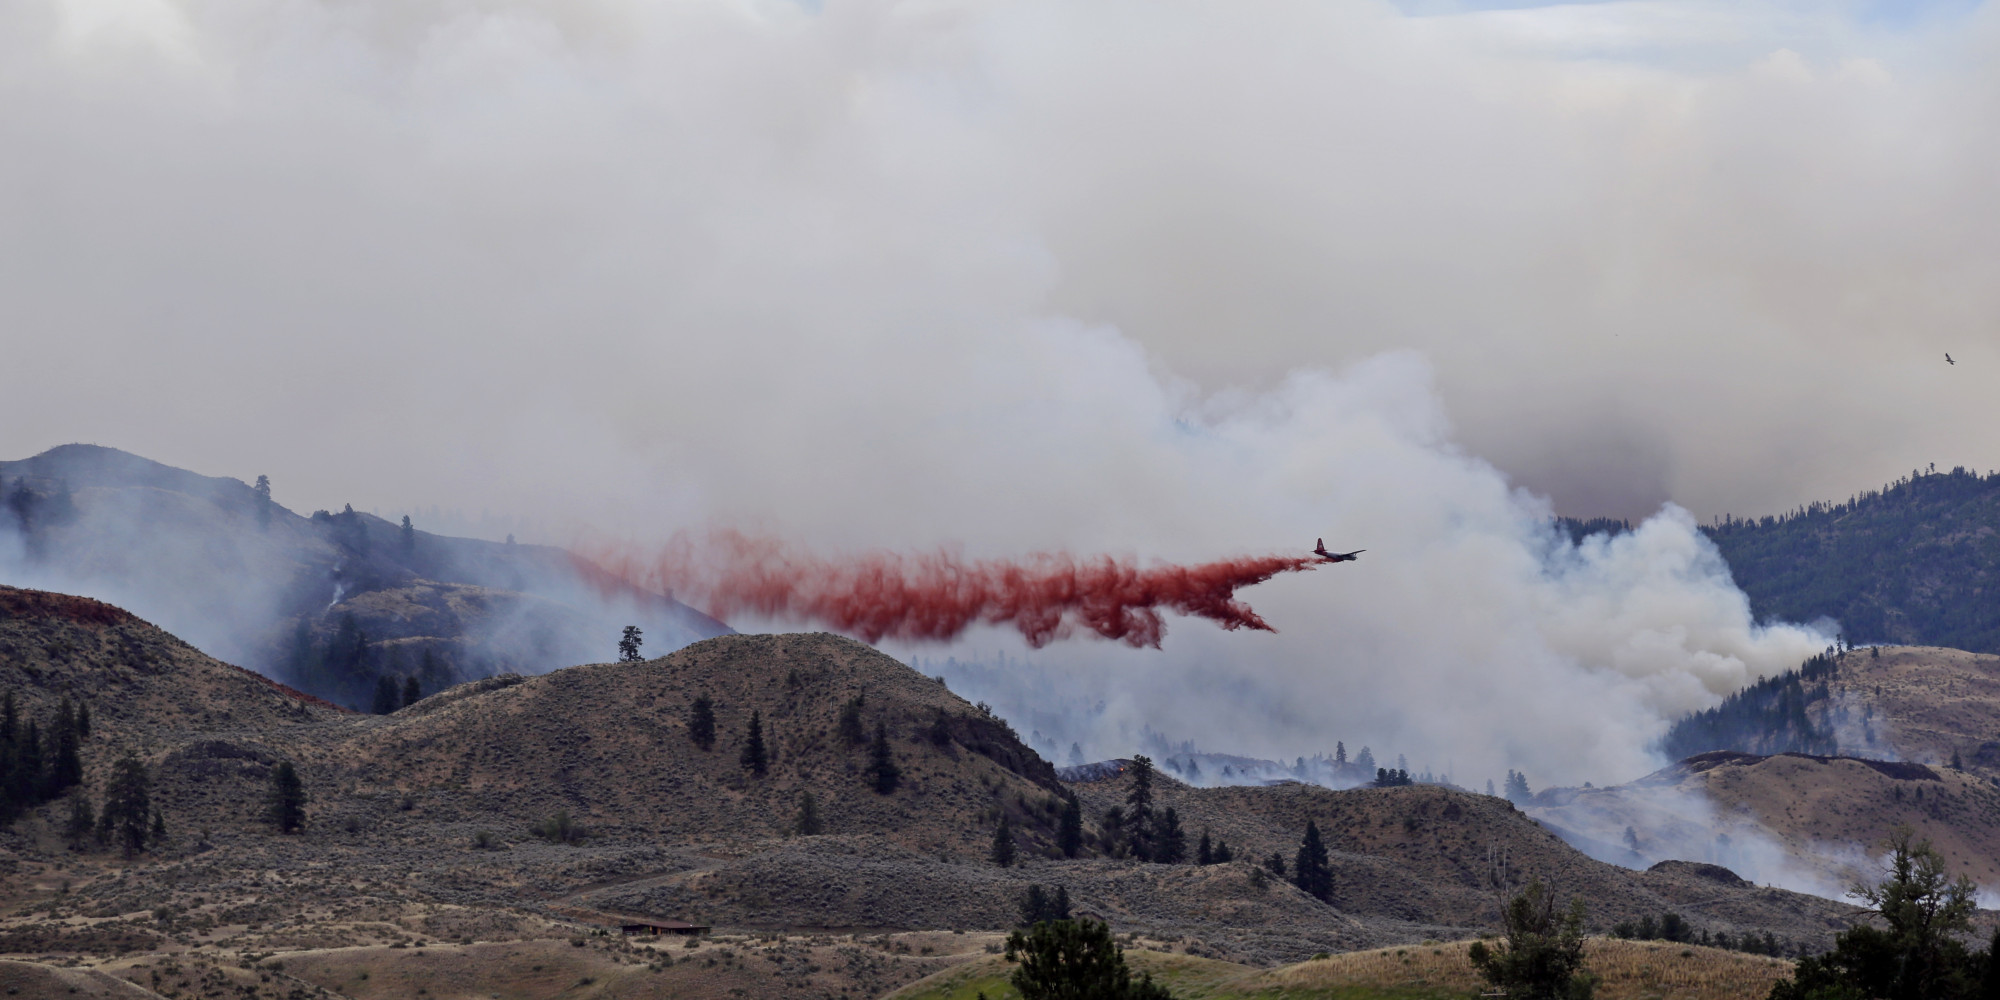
(609, 742)
(1629, 970)
(1421, 853)
(1935, 701)
(1831, 814)
(145, 688)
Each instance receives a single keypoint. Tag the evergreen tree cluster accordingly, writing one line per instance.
(1388, 777)
(36, 765)
(1918, 952)
(1541, 957)
(346, 668)
(1911, 563)
(1040, 906)
(1775, 715)
(1516, 789)
(1675, 928)
(1075, 960)
(1216, 852)
(1136, 830)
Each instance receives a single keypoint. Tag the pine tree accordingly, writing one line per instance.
(701, 723)
(1069, 830)
(628, 645)
(1339, 754)
(263, 489)
(1311, 872)
(1365, 760)
(1223, 855)
(82, 819)
(83, 720)
(882, 770)
(1169, 842)
(851, 731)
(387, 694)
(808, 823)
(1003, 843)
(754, 755)
(159, 832)
(413, 692)
(287, 800)
(127, 806)
(1204, 851)
(409, 537)
(65, 764)
(1517, 786)
(1139, 809)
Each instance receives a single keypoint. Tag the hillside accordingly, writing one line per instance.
(418, 830)
(1916, 562)
(1792, 818)
(1896, 702)
(1630, 970)
(328, 602)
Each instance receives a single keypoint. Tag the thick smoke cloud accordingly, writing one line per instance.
(1165, 280)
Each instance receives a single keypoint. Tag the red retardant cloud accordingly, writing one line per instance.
(937, 596)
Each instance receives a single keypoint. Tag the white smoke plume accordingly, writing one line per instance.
(1171, 280)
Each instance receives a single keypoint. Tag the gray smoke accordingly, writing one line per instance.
(1171, 279)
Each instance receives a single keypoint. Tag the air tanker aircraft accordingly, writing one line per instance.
(1320, 551)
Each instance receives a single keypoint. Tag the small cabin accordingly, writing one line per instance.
(654, 928)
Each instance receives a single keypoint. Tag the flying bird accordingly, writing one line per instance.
(1948, 360)
(1320, 551)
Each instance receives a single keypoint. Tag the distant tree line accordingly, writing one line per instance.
(346, 668)
(1673, 927)
(1774, 715)
(38, 765)
(1913, 563)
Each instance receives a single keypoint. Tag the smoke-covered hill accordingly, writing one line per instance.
(1918, 703)
(431, 806)
(330, 602)
(1916, 562)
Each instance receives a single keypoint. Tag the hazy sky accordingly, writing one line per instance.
(1168, 277)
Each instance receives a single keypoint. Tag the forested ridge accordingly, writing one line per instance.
(1916, 562)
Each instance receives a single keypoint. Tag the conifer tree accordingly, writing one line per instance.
(1069, 830)
(409, 537)
(263, 489)
(701, 723)
(1139, 809)
(158, 834)
(387, 694)
(851, 731)
(1003, 843)
(808, 823)
(287, 800)
(1310, 871)
(1169, 842)
(1204, 851)
(754, 756)
(83, 720)
(628, 645)
(82, 819)
(127, 806)
(1223, 855)
(882, 770)
(413, 692)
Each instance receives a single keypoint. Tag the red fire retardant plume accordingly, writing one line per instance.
(940, 595)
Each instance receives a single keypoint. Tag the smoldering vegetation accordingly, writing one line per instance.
(343, 605)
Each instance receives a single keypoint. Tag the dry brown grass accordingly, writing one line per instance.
(1629, 970)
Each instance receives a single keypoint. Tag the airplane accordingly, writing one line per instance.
(1948, 360)
(1320, 551)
